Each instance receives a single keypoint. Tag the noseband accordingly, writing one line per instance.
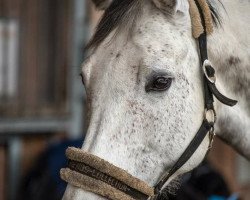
(96, 175)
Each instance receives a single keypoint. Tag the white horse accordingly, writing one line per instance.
(145, 131)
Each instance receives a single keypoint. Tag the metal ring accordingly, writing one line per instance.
(210, 115)
(205, 64)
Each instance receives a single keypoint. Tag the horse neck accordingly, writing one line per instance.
(229, 45)
(229, 52)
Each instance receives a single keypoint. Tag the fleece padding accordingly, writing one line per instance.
(109, 169)
(197, 26)
(92, 185)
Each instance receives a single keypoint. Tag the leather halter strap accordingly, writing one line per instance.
(210, 90)
(195, 143)
(209, 71)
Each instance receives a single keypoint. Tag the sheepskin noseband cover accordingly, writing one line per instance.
(96, 175)
(197, 26)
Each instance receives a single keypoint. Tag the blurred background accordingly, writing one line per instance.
(42, 99)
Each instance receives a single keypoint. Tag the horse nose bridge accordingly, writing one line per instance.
(93, 132)
(104, 122)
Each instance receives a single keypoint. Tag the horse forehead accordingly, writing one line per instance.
(159, 27)
(154, 38)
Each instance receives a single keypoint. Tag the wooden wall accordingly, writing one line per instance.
(44, 59)
(225, 160)
(44, 56)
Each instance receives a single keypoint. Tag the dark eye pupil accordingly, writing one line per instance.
(159, 83)
(162, 83)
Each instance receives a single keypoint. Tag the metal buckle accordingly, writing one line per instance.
(205, 64)
(210, 115)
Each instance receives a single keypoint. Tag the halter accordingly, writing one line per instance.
(96, 175)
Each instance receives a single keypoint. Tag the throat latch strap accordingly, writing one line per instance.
(210, 77)
(209, 71)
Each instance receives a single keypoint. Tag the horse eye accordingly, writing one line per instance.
(159, 84)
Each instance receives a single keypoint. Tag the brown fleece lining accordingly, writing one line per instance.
(92, 185)
(109, 169)
(197, 27)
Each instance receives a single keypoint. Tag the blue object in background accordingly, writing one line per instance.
(56, 160)
(214, 197)
(43, 181)
(233, 197)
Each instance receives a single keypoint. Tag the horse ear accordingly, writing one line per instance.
(172, 6)
(102, 4)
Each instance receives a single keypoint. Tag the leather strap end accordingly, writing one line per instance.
(222, 98)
